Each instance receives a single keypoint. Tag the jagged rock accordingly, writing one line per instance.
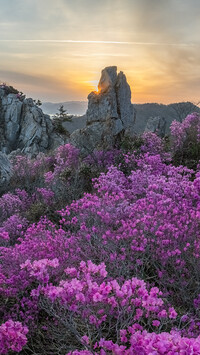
(24, 126)
(125, 108)
(156, 125)
(113, 99)
(5, 171)
(108, 79)
(96, 136)
(35, 129)
(109, 114)
(102, 105)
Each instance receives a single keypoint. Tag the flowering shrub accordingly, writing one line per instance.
(12, 228)
(102, 159)
(141, 342)
(29, 172)
(186, 139)
(66, 157)
(152, 143)
(118, 270)
(98, 300)
(12, 203)
(8, 89)
(12, 336)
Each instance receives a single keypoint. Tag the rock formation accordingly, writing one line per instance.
(110, 113)
(24, 126)
(156, 125)
(5, 171)
(110, 116)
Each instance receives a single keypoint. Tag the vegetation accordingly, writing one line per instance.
(9, 89)
(105, 249)
(60, 117)
(38, 102)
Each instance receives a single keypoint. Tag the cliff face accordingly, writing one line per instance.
(24, 126)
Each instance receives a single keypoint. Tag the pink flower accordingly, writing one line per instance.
(156, 323)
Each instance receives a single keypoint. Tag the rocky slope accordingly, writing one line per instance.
(24, 126)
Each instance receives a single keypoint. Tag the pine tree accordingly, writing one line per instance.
(62, 114)
(60, 117)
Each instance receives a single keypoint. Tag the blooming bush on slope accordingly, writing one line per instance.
(12, 203)
(109, 275)
(138, 230)
(186, 140)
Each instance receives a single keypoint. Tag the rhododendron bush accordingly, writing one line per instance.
(185, 139)
(117, 270)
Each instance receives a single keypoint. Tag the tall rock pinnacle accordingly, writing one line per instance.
(112, 101)
(110, 113)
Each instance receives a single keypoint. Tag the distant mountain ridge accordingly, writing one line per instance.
(72, 107)
(172, 111)
(176, 111)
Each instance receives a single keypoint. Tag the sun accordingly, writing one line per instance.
(95, 83)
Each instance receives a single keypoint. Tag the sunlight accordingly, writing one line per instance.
(94, 84)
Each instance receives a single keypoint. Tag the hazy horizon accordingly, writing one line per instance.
(55, 51)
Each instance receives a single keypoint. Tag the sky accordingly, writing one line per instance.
(54, 50)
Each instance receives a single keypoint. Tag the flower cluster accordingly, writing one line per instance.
(66, 157)
(88, 292)
(185, 139)
(181, 130)
(12, 336)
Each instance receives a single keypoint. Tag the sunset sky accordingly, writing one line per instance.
(55, 50)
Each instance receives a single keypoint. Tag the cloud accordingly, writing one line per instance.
(35, 80)
(182, 44)
(57, 46)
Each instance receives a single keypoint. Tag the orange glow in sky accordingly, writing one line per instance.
(55, 50)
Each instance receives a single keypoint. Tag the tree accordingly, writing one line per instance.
(59, 118)
(62, 114)
(38, 103)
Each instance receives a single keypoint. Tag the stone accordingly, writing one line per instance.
(5, 171)
(101, 107)
(124, 105)
(109, 114)
(108, 79)
(24, 126)
(156, 125)
(95, 136)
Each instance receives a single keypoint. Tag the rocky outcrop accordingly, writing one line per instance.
(112, 101)
(110, 116)
(5, 171)
(110, 113)
(156, 125)
(24, 126)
